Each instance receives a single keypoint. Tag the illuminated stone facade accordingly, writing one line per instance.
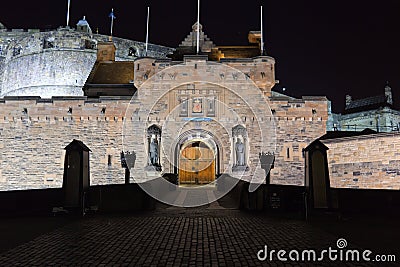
(376, 113)
(365, 161)
(57, 62)
(225, 106)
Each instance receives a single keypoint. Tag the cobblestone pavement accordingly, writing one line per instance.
(170, 236)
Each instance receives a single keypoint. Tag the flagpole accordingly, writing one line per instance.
(147, 28)
(112, 21)
(198, 27)
(262, 33)
(69, 5)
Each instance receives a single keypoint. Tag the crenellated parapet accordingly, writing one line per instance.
(57, 62)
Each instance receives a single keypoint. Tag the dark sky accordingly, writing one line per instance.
(329, 47)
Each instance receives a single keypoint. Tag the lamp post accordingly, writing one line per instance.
(267, 163)
(257, 200)
(128, 161)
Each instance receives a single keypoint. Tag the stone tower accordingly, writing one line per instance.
(57, 62)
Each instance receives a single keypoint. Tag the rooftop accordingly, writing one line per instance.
(341, 134)
(109, 72)
(369, 103)
(216, 53)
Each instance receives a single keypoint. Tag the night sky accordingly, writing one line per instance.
(330, 48)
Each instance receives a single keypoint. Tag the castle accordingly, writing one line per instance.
(193, 115)
(50, 63)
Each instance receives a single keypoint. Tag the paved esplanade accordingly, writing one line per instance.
(207, 236)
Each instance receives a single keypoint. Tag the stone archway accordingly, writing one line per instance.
(197, 157)
(196, 163)
(200, 96)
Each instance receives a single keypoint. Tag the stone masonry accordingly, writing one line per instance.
(34, 132)
(32, 143)
(365, 162)
(233, 93)
(57, 62)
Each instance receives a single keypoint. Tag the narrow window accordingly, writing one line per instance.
(287, 153)
(109, 160)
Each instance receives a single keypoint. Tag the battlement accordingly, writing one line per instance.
(261, 69)
(57, 62)
(106, 108)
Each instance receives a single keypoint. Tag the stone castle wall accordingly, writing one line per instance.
(49, 73)
(365, 162)
(34, 132)
(57, 63)
(32, 144)
(2, 66)
(298, 123)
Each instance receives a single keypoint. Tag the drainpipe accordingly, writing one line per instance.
(377, 123)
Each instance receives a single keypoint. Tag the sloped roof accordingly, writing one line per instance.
(113, 72)
(279, 96)
(77, 144)
(191, 39)
(316, 145)
(373, 102)
(2, 27)
(341, 134)
(215, 53)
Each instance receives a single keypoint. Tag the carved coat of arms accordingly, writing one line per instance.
(197, 106)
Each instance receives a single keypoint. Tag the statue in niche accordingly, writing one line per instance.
(154, 152)
(153, 139)
(240, 153)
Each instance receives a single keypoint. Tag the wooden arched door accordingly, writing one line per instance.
(196, 164)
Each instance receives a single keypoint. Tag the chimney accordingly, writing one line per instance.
(105, 51)
(348, 100)
(388, 94)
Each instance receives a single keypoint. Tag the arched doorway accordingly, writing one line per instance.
(197, 163)
(198, 156)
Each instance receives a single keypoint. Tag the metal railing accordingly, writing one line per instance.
(359, 127)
